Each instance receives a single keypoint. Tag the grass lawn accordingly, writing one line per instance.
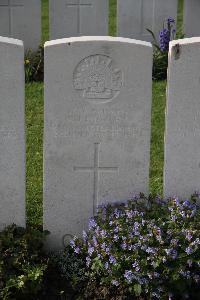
(34, 129)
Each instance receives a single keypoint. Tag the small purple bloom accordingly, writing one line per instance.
(128, 276)
(106, 265)
(92, 223)
(85, 237)
(189, 250)
(115, 282)
(95, 241)
(90, 250)
(112, 260)
(170, 20)
(72, 244)
(77, 250)
(88, 261)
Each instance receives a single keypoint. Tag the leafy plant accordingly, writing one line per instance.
(22, 263)
(161, 48)
(72, 272)
(144, 249)
(34, 65)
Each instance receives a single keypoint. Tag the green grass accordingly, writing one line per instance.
(180, 19)
(112, 18)
(34, 128)
(45, 21)
(157, 137)
(34, 141)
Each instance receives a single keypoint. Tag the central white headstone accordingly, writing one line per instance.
(12, 140)
(97, 128)
(21, 19)
(69, 18)
(136, 16)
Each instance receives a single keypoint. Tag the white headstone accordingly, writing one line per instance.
(182, 140)
(12, 141)
(21, 19)
(70, 18)
(191, 18)
(136, 16)
(97, 128)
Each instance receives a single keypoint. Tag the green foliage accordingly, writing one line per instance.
(72, 270)
(34, 65)
(160, 64)
(144, 249)
(22, 263)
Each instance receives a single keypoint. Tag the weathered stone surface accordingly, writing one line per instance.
(182, 140)
(12, 141)
(70, 18)
(135, 16)
(191, 18)
(97, 128)
(21, 19)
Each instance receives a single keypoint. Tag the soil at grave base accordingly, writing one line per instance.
(72, 297)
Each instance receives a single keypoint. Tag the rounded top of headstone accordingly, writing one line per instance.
(71, 40)
(7, 40)
(187, 41)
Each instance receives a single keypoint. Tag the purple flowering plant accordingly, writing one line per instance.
(167, 34)
(147, 249)
(161, 47)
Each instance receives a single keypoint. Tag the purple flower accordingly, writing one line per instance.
(112, 260)
(88, 261)
(85, 237)
(174, 242)
(107, 250)
(150, 250)
(188, 235)
(116, 237)
(103, 246)
(116, 229)
(167, 34)
(92, 223)
(196, 242)
(95, 241)
(103, 233)
(124, 246)
(128, 275)
(77, 250)
(174, 254)
(90, 250)
(72, 244)
(115, 282)
(189, 250)
(106, 265)
(187, 203)
(171, 253)
(170, 20)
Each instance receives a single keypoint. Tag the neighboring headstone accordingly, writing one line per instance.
(182, 138)
(70, 18)
(191, 18)
(136, 16)
(97, 128)
(21, 19)
(12, 140)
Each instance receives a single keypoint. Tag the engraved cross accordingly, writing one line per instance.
(10, 6)
(96, 169)
(78, 6)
